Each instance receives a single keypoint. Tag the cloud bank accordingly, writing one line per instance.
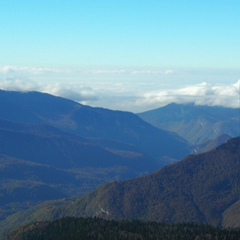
(200, 94)
(11, 81)
(129, 90)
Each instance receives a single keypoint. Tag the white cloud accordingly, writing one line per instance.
(76, 93)
(44, 70)
(28, 70)
(131, 90)
(18, 84)
(153, 72)
(200, 94)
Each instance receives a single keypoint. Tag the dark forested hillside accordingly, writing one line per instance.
(46, 145)
(39, 163)
(95, 228)
(196, 124)
(52, 148)
(85, 121)
(201, 189)
(211, 144)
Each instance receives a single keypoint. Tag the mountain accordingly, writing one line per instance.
(231, 216)
(46, 145)
(96, 228)
(25, 184)
(88, 122)
(201, 189)
(198, 189)
(196, 124)
(59, 147)
(40, 163)
(211, 144)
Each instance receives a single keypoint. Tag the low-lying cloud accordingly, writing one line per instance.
(79, 93)
(18, 84)
(129, 90)
(44, 70)
(200, 94)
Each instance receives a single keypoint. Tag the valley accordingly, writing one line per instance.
(60, 158)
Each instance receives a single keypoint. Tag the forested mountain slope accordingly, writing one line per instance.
(198, 189)
(96, 228)
(85, 121)
(202, 189)
(59, 147)
(196, 124)
(39, 163)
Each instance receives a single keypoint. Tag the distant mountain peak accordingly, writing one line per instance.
(195, 123)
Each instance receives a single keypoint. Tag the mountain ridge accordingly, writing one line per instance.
(200, 189)
(89, 146)
(204, 185)
(88, 122)
(206, 122)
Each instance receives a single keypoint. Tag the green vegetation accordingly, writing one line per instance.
(25, 184)
(198, 190)
(196, 124)
(202, 189)
(53, 149)
(96, 228)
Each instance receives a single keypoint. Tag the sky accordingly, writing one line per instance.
(133, 55)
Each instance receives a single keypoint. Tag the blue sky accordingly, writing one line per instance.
(120, 50)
